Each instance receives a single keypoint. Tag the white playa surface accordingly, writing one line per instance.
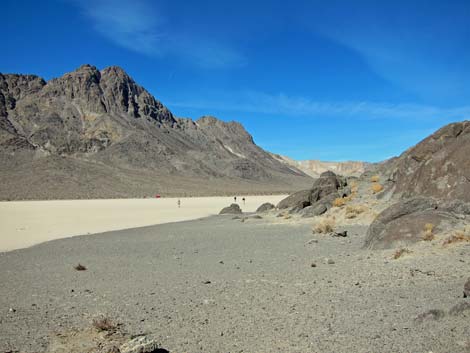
(26, 223)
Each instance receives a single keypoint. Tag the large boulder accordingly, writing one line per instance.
(324, 191)
(298, 199)
(404, 222)
(232, 209)
(312, 211)
(265, 207)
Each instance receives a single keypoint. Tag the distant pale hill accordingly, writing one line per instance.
(315, 167)
(95, 134)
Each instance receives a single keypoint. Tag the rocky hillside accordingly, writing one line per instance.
(430, 187)
(438, 166)
(93, 133)
(315, 168)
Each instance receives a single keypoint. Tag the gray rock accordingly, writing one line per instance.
(402, 223)
(466, 289)
(265, 207)
(142, 344)
(343, 234)
(232, 209)
(315, 210)
(434, 314)
(298, 199)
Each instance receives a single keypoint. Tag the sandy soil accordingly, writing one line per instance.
(222, 285)
(25, 223)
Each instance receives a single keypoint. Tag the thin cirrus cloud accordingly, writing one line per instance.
(420, 46)
(138, 26)
(281, 104)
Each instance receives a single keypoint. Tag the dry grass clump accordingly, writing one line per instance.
(376, 187)
(428, 234)
(339, 202)
(375, 178)
(400, 252)
(352, 211)
(103, 324)
(80, 267)
(354, 186)
(458, 237)
(325, 225)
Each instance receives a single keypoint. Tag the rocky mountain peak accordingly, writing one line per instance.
(102, 120)
(109, 91)
(116, 71)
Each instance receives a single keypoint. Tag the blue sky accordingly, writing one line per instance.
(329, 80)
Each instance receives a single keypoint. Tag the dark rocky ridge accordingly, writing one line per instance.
(93, 133)
(430, 184)
(436, 167)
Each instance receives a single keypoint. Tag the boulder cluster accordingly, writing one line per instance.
(318, 199)
(307, 203)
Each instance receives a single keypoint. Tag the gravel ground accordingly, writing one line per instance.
(221, 285)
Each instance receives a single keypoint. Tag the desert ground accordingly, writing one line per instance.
(272, 281)
(231, 284)
(26, 223)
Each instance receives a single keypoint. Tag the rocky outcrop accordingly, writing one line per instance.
(105, 118)
(431, 184)
(404, 222)
(300, 199)
(312, 211)
(232, 209)
(436, 167)
(265, 207)
(319, 198)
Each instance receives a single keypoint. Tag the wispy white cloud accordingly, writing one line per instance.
(416, 45)
(281, 104)
(138, 25)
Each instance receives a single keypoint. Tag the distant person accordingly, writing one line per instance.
(243, 199)
(179, 203)
(234, 199)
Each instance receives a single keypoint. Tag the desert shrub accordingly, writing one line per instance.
(458, 237)
(339, 202)
(400, 252)
(325, 225)
(375, 178)
(376, 187)
(428, 234)
(352, 211)
(80, 267)
(103, 324)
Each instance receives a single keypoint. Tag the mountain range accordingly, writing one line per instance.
(97, 133)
